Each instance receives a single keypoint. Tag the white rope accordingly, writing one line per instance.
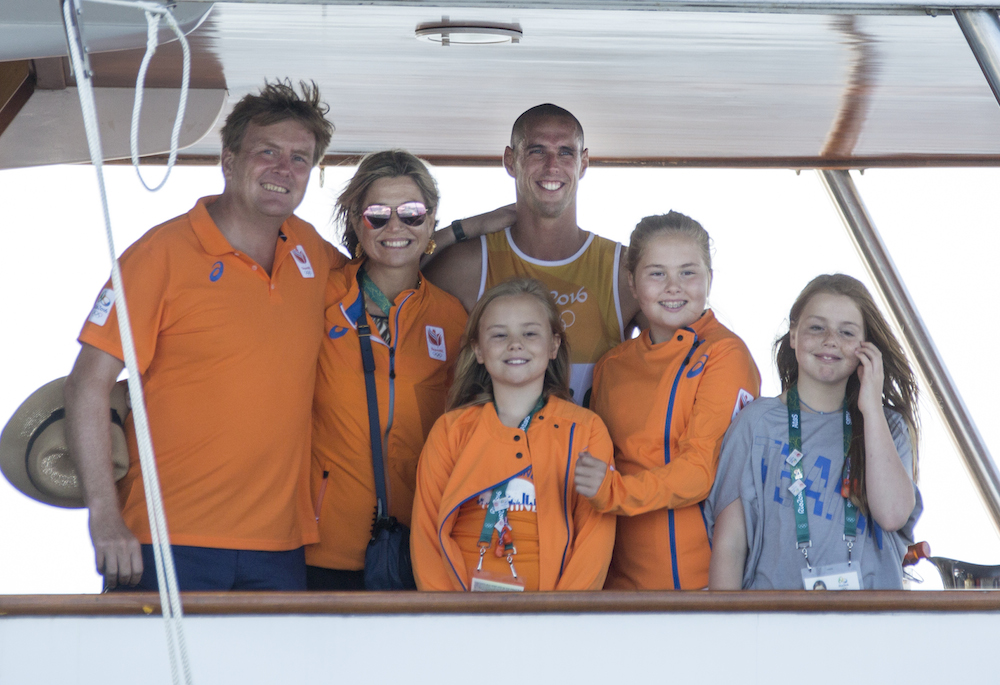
(166, 574)
(152, 35)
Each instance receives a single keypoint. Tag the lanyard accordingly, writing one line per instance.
(797, 488)
(526, 421)
(496, 511)
(373, 292)
(496, 519)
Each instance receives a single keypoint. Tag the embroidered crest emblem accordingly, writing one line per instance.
(435, 343)
(302, 261)
(102, 307)
(743, 398)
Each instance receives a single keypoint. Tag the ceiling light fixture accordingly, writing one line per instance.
(447, 32)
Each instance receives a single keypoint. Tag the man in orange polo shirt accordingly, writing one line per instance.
(226, 304)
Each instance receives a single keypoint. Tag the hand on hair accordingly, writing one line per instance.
(871, 375)
(590, 472)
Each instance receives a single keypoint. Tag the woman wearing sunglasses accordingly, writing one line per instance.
(387, 215)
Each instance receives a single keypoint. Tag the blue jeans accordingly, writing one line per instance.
(207, 568)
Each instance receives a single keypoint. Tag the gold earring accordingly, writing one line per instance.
(359, 251)
(431, 246)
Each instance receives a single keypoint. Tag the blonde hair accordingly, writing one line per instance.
(374, 166)
(899, 387)
(671, 223)
(473, 384)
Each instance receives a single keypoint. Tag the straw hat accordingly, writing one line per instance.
(34, 455)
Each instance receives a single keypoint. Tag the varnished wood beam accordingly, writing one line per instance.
(343, 603)
(886, 162)
(16, 86)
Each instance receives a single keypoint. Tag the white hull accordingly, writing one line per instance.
(685, 637)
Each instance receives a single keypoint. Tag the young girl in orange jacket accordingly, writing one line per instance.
(495, 507)
(667, 398)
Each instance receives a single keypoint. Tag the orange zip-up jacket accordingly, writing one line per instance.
(470, 452)
(412, 377)
(667, 407)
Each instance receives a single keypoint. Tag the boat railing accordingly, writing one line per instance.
(401, 603)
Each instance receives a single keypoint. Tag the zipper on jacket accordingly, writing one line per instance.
(322, 492)
(457, 507)
(673, 394)
(392, 401)
(675, 571)
(392, 378)
(569, 461)
(392, 395)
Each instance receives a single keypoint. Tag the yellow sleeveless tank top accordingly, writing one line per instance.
(585, 288)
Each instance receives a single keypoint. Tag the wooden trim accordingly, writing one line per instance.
(398, 603)
(161, 160)
(16, 87)
(801, 163)
(796, 163)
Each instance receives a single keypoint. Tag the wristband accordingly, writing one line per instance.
(456, 229)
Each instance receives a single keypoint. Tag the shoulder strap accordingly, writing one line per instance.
(378, 467)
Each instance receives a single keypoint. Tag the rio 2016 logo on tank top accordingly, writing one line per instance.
(564, 299)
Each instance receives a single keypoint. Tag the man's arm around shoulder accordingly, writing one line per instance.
(457, 267)
(88, 387)
(458, 271)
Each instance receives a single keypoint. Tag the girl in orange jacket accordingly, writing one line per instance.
(667, 397)
(495, 508)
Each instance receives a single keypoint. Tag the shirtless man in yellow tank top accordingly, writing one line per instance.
(547, 159)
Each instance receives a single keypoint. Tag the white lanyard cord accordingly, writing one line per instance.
(169, 594)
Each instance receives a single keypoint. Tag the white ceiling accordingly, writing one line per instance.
(648, 86)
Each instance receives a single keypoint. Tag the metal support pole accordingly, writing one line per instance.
(982, 30)
(916, 337)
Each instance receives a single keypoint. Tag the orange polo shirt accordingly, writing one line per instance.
(412, 378)
(228, 362)
(667, 407)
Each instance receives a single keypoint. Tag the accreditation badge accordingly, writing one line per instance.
(833, 577)
(484, 581)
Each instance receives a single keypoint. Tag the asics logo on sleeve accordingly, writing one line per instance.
(698, 366)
